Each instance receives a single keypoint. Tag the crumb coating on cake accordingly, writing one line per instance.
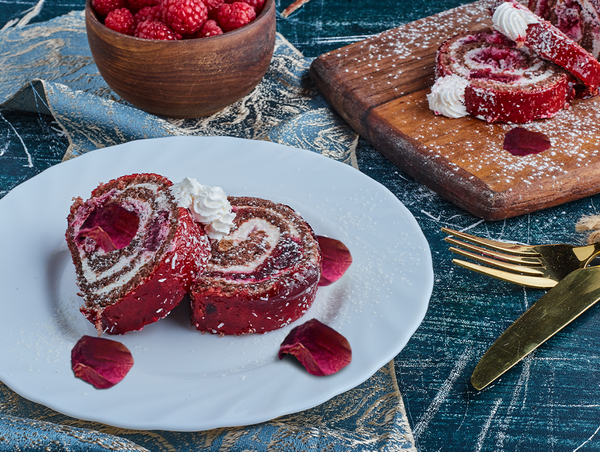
(262, 276)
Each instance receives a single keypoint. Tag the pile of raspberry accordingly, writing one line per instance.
(176, 19)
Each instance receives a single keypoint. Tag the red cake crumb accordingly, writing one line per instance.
(260, 277)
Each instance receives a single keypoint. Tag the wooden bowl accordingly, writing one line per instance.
(187, 78)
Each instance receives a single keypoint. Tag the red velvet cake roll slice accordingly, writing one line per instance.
(497, 81)
(262, 276)
(526, 28)
(135, 252)
(578, 19)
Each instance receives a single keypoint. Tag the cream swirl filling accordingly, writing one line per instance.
(208, 205)
(243, 234)
(512, 21)
(447, 97)
(130, 262)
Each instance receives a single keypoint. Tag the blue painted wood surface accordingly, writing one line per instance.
(549, 402)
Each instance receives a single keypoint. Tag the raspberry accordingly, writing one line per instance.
(103, 7)
(256, 4)
(152, 29)
(149, 13)
(139, 4)
(235, 15)
(120, 20)
(184, 16)
(213, 7)
(210, 28)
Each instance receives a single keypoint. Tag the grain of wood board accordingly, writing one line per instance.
(379, 87)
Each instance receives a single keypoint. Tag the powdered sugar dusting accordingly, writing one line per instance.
(389, 57)
(378, 267)
(390, 75)
(572, 133)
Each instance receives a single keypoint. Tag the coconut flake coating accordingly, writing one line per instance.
(262, 276)
(140, 283)
(578, 19)
(550, 43)
(505, 83)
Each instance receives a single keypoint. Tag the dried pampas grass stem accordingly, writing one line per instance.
(293, 7)
(591, 225)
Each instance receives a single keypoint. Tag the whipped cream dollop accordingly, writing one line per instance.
(447, 96)
(512, 21)
(208, 205)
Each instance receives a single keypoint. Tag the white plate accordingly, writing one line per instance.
(183, 380)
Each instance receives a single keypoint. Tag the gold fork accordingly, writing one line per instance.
(537, 266)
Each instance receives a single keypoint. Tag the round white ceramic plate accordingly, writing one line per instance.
(183, 380)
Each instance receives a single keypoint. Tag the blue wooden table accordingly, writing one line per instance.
(549, 402)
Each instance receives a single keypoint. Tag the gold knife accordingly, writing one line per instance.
(562, 304)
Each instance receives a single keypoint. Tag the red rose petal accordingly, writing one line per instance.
(520, 141)
(100, 236)
(111, 226)
(319, 348)
(101, 362)
(336, 259)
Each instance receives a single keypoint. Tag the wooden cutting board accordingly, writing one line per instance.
(379, 87)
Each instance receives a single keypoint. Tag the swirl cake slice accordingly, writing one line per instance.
(578, 19)
(135, 252)
(526, 28)
(262, 276)
(499, 81)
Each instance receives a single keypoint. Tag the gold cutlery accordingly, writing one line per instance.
(536, 266)
(562, 304)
